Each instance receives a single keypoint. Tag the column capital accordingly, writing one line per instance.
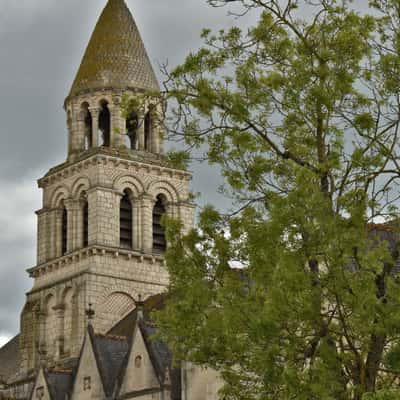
(94, 110)
(71, 204)
(148, 198)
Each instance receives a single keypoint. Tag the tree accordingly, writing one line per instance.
(301, 113)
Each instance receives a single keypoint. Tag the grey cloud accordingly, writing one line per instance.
(42, 43)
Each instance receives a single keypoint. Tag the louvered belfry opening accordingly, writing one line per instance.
(132, 123)
(64, 231)
(104, 124)
(86, 224)
(159, 241)
(125, 221)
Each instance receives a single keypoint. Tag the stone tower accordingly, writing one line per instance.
(100, 240)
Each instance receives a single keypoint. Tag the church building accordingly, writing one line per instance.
(85, 330)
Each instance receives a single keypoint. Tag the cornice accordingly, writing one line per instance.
(87, 252)
(105, 158)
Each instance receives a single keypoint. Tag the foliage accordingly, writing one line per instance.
(301, 113)
(177, 159)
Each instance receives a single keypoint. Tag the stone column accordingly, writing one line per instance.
(118, 125)
(41, 339)
(75, 224)
(42, 236)
(147, 223)
(140, 130)
(136, 231)
(56, 232)
(60, 311)
(80, 205)
(71, 224)
(95, 112)
(155, 131)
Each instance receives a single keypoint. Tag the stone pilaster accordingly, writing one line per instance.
(147, 223)
(43, 236)
(118, 125)
(59, 350)
(75, 224)
(104, 216)
(137, 223)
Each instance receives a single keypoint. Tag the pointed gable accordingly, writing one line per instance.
(88, 383)
(41, 389)
(140, 374)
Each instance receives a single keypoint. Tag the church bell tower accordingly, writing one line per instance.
(100, 239)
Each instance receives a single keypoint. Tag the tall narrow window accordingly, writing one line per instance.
(159, 242)
(86, 225)
(132, 123)
(125, 220)
(105, 124)
(64, 233)
(147, 132)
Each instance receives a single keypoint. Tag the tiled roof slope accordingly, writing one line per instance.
(116, 56)
(60, 384)
(110, 353)
(9, 358)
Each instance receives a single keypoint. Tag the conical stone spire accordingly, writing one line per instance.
(116, 56)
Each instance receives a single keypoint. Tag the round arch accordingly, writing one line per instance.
(164, 188)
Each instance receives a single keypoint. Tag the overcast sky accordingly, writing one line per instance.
(42, 43)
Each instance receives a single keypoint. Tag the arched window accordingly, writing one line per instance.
(104, 124)
(88, 126)
(132, 123)
(86, 224)
(125, 220)
(159, 242)
(64, 231)
(147, 132)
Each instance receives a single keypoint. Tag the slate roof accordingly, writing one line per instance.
(110, 353)
(115, 56)
(59, 384)
(9, 359)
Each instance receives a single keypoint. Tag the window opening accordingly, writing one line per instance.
(126, 222)
(87, 383)
(105, 124)
(64, 239)
(132, 123)
(86, 225)
(159, 241)
(147, 131)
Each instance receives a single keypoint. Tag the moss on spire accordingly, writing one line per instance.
(115, 56)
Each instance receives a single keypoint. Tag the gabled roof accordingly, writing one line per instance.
(9, 359)
(115, 56)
